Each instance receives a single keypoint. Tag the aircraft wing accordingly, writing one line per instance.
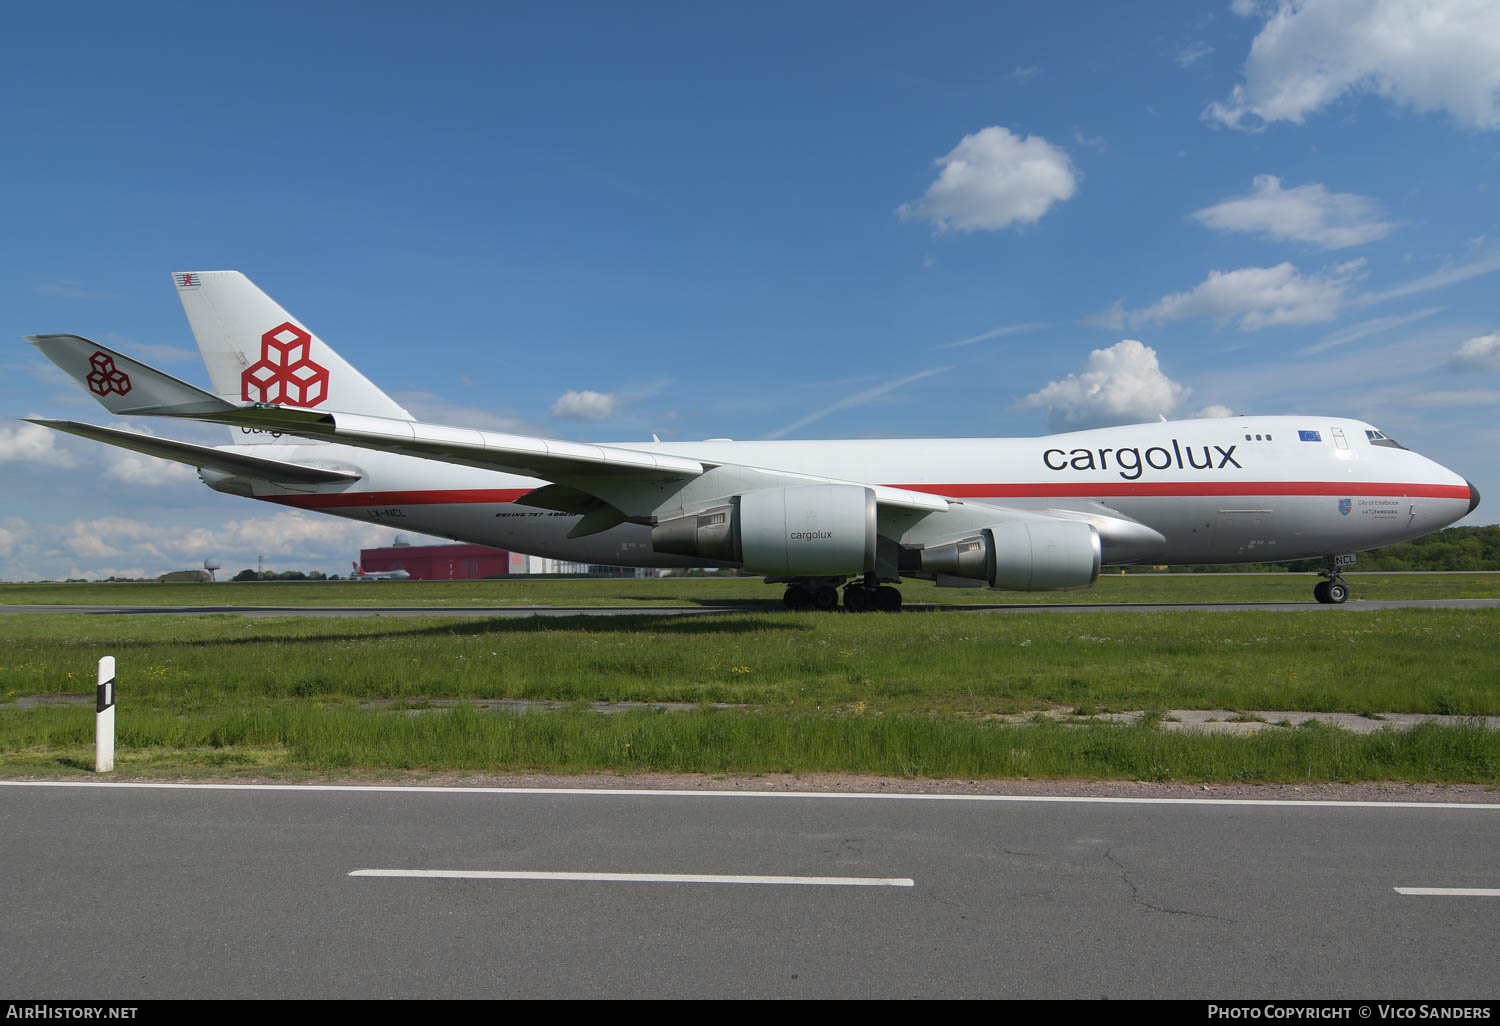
(630, 481)
(237, 463)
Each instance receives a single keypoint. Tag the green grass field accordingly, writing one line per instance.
(748, 592)
(904, 695)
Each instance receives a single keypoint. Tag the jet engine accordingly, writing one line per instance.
(1033, 555)
(806, 531)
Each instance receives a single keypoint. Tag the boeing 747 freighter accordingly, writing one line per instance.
(1024, 514)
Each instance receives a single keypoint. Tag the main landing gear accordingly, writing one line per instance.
(865, 595)
(811, 596)
(1334, 590)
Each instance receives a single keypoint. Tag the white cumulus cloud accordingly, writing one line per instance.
(1256, 297)
(1123, 384)
(1428, 55)
(586, 405)
(1305, 213)
(133, 468)
(993, 179)
(291, 539)
(32, 443)
(11, 534)
(1215, 410)
(1478, 354)
(114, 545)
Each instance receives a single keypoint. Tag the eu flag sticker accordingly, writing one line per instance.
(1309, 436)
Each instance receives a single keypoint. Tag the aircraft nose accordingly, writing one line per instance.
(1473, 496)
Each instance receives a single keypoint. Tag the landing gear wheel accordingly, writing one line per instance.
(825, 598)
(858, 599)
(887, 599)
(797, 597)
(1334, 592)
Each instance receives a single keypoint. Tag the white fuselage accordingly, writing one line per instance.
(1230, 490)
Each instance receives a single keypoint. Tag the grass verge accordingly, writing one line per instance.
(904, 696)
(297, 739)
(748, 593)
(1408, 661)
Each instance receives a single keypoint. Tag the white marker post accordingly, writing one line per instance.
(104, 720)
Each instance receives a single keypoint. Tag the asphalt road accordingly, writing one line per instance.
(123, 891)
(522, 611)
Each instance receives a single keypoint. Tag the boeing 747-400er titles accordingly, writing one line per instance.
(1023, 514)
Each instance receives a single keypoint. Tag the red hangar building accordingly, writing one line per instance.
(438, 562)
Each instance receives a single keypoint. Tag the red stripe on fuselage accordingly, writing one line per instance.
(1182, 489)
(1106, 489)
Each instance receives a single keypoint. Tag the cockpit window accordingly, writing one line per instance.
(1379, 438)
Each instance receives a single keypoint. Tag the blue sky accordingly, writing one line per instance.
(602, 221)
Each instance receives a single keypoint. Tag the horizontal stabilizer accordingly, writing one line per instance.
(124, 386)
(236, 463)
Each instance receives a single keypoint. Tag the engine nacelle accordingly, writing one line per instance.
(1034, 555)
(807, 531)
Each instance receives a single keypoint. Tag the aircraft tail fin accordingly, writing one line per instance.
(257, 352)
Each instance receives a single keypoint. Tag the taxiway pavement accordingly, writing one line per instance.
(124, 891)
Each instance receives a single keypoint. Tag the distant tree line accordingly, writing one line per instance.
(285, 575)
(1453, 548)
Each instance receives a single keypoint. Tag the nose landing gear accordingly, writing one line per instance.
(1334, 590)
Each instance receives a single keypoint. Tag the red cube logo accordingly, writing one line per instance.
(285, 373)
(104, 377)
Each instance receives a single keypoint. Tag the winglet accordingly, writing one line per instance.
(124, 386)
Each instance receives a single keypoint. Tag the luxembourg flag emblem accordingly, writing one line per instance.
(1345, 505)
(187, 281)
